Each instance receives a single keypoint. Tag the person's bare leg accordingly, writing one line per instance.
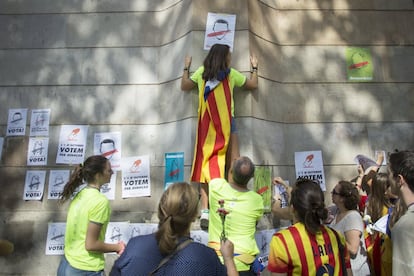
(204, 196)
(204, 206)
(233, 153)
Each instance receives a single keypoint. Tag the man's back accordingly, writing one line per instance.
(245, 209)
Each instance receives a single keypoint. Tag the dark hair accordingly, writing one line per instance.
(402, 163)
(309, 204)
(215, 61)
(350, 192)
(177, 209)
(84, 172)
(243, 170)
(377, 199)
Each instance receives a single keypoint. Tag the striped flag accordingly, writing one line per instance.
(213, 134)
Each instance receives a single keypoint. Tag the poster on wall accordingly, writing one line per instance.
(116, 232)
(108, 189)
(220, 29)
(34, 185)
(37, 151)
(309, 164)
(359, 65)
(39, 122)
(136, 176)
(57, 181)
(72, 144)
(16, 123)
(108, 144)
(174, 168)
(139, 229)
(55, 241)
(263, 185)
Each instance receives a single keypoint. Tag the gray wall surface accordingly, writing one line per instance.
(116, 66)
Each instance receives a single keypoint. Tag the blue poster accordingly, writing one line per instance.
(174, 168)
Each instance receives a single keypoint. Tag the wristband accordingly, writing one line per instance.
(185, 69)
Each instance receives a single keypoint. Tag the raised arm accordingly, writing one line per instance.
(186, 83)
(252, 83)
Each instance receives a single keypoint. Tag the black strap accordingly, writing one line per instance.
(341, 252)
(167, 258)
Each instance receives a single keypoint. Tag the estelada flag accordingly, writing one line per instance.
(213, 133)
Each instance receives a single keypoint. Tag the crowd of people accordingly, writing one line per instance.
(368, 230)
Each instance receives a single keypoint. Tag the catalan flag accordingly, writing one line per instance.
(213, 133)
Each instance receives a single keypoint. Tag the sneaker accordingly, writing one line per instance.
(204, 219)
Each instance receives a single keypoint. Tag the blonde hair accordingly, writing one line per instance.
(177, 209)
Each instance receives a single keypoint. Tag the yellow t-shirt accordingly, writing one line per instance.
(245, 209)
(235, 78)
(89, 205)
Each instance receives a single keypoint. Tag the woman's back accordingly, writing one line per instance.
(295, 251)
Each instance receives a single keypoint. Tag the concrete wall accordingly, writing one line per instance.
(116, 66)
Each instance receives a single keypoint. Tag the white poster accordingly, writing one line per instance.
(200, 236)
(220, 29)
(135, 176)
(109, 145)
(37, 151)
(57, 181)
(140, 229)
(72, 144)
(263, 239)
(55, 241)
(39, 122)
(108, 189)
(116, 232)
(16, 124)
(309, 164)
(34, 185)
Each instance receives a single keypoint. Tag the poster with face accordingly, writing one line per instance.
(16, 124)
(39, 122)
(220, 29)
(109, 145)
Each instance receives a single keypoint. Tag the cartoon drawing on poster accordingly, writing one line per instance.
(55, 241)
(359, 65)
(140, 229)
(135, 176)
(108, 189)
(72, 144)
(309, 164)
(109, 145)
(34, 185)
(263, 239)
(37, 151)
(57, 181)
(39, 122)
(174, 168)
(116, 232)
(199, 236)
(220, 29)
(16, 123)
